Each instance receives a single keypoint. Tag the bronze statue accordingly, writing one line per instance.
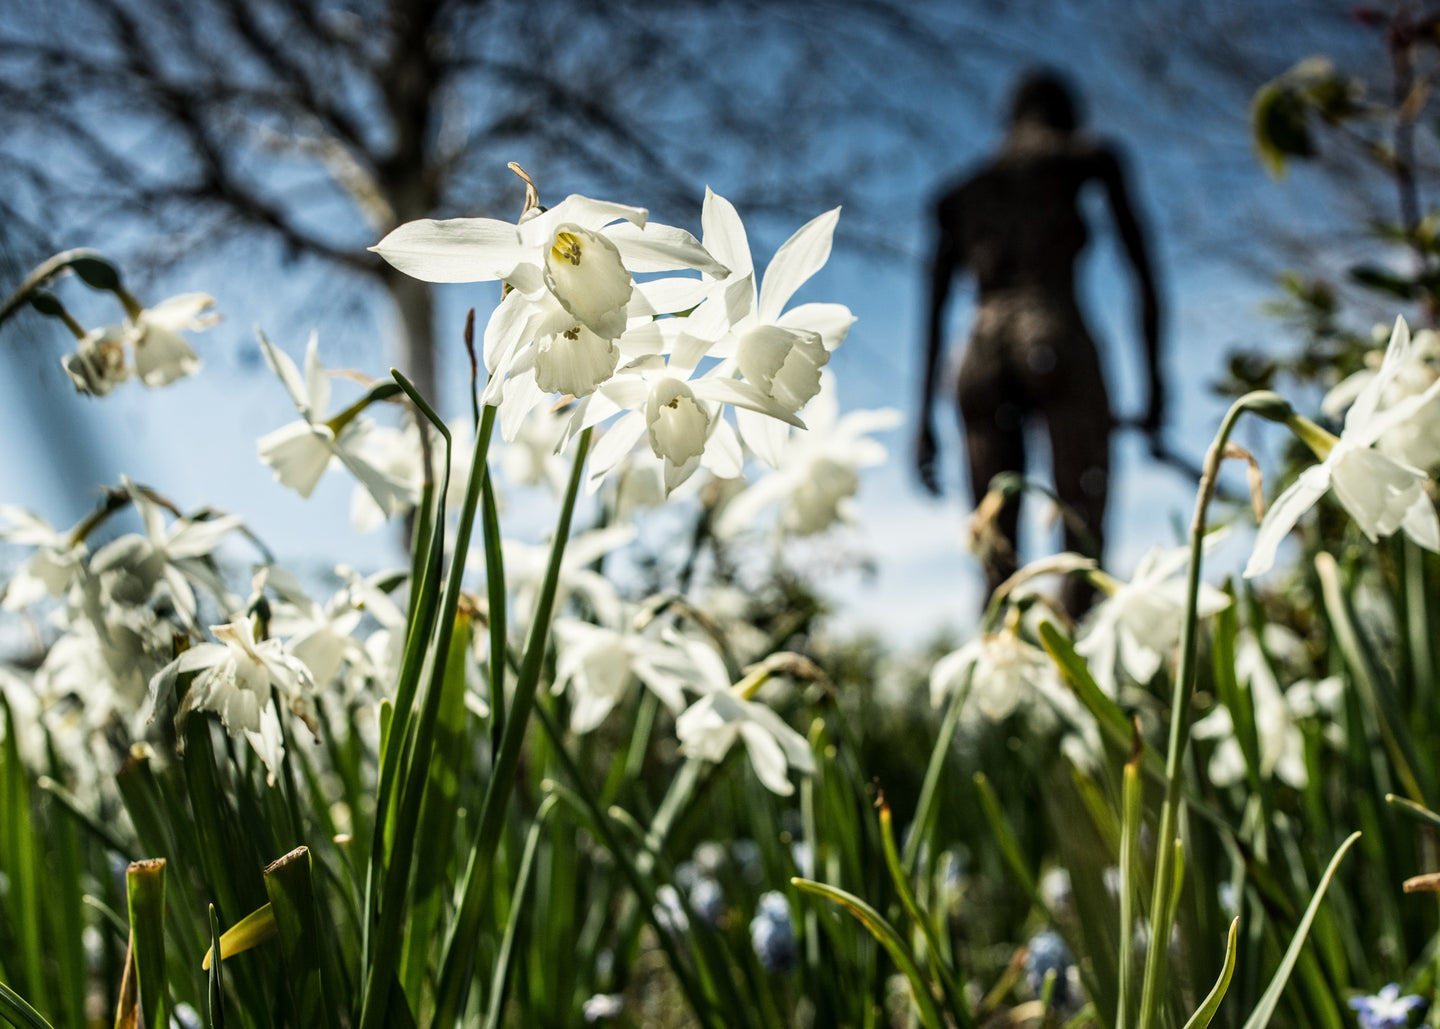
(1016, 226)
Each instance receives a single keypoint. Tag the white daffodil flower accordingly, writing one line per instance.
(300, 452)
(725, 713)
(569, 270)
(817, 471)
(320, 636)
(779, 351)
(1004, 671)
(234, 680)
(597, 664)
(679, 414)
(161, 354)
(574, 362)
(709, 727)
(1416, 440)
(50, 571)
(525, 566)
(1382, 494)
(129, 568)
(1278, 713)
(1138, 624)
(98, 364)
(106, 663)
(530, 458)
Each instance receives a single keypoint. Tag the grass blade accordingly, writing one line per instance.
(888, 938)
(1265, 1008)
(1211, 1004)
(18, 1013)
(145, 893)
(297, 923)
(216, 992)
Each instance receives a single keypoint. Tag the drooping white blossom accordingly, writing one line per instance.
(99, 362)
(50, 570)
(234, 680)
(162, 355)
(710, 726)
(726, 713)
(148, 344)
(817, 471)
(597, 664)
(1381, 494)
(174, 556)
(1005, 670)
(1137, 625)
(1277, 713)
(1416, 440)
(300, 452)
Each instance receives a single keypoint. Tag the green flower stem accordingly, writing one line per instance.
(424, 598)
(49, 304)
(387, 938)
(929, 790)
(1317, 439)
(495, 613)
(380, 391)
(88, 264)
(500, 980)
(584, 806)
(1267, 405)
(459, 948)
(1131, 814)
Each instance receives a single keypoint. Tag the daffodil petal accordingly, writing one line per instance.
(798, 258)
(454, 250)
(1282, 516)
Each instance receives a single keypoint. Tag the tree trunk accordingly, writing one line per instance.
(415, 304)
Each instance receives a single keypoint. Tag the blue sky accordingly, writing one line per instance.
(1192, 175)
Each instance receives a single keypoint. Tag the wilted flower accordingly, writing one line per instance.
(772, 934)
(1380, 493)
(1386, 1009)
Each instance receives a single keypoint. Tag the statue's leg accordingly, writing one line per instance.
(1079, 431)
(994, 426)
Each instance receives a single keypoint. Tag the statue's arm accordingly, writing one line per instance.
(943, 266)
(1133, 238)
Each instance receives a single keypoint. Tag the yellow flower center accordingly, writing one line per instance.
(567, 248)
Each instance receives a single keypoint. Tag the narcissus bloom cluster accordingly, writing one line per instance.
(662, 355)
